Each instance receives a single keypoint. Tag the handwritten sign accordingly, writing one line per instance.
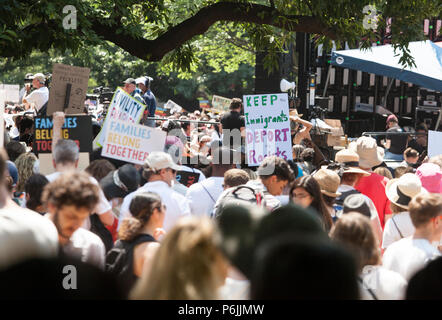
(173, 107)
(187, 178)
(77, 128)
(267, 127)
(62, 76)
(123, 107)
(131, 142)
(220, 103)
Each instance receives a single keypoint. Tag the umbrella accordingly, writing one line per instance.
(381, 60)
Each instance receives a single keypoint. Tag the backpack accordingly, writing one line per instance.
(240, 195)
(119, 260)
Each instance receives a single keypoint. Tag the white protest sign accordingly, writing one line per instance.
(221, 103)
(123, 107)
(434, 143)
(131, 142)
(267, 127)
(11, 92)
(173, 107)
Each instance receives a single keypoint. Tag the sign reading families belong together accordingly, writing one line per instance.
(131, 142)
(267, 127)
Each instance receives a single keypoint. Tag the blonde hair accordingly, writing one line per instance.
(354, 231)
(384, 172)
(25, 167)
(186, 266)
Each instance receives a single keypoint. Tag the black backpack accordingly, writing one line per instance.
(120, 260)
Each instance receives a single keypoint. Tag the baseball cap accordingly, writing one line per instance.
(119, 183)
(39, 76)
(130, 80)
(140, 80)
(160, 160)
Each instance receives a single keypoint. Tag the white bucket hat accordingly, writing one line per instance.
(370, 155)
(401, 191)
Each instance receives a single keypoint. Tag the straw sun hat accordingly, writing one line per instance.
(328, 181)
(351, 161)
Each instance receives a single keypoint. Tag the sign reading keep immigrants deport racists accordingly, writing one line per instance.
(267, 127)
(131, 142)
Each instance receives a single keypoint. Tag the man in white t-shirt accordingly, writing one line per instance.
(40, 95)
(409, 255)
(160, 171)
(70, 200)
(202, 196)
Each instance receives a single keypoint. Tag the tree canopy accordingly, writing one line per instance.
(172, 31)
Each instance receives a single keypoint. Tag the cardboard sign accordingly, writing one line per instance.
(77, 128)
(123, 107)
(131, 142)
(434, 143)
(267, 127)
(187, 178)
(74, 78)
(220, 103)
(204, 104)
(12, 92)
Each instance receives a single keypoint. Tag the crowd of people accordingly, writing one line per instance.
(350, 227)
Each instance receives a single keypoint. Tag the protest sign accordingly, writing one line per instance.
(77, 128)
(187, 178)
(11, 92)
(131, 142)
(204, 104)
(68, 80)
(173, 107)
(267, 127)
(434, 143)
(123, 107)
(220, 103)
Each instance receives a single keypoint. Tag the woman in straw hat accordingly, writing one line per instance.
(329, 182)
(351, 175)
(400, 192)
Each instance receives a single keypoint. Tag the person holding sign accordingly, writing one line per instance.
(65, 155)
(233, 121)
(149, 99)
(301, 132)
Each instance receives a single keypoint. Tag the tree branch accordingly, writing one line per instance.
(154, 50)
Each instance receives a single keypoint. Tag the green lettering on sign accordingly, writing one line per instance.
(248, 101)
(264, 100)
(273, 98)
(255, 100)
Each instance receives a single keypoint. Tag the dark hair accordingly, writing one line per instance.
(312, 187)
(72, 188)
(426, 283)
(281, 169)
(411, 153)
(235, 104)
(422, 127)
(15, 149)
(34, 188)
(308, 155)
(100, 168)
(292, 267)
(141, 207)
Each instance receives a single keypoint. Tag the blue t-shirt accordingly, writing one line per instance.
(150, 102)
